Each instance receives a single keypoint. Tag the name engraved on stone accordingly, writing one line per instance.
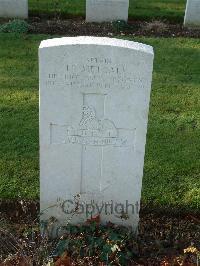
(76, 75)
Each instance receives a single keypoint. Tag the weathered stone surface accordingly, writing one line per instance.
(94, 99)
(192, 14)
(106, 10)
(14, 8)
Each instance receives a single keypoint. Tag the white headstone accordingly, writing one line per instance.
(14, 8)
(106, 10)
(192, 13)
(94, 100)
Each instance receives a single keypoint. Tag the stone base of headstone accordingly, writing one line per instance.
(106, 10)
(14, 9)
(192, 14)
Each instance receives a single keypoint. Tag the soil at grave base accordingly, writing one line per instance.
(161, 241)
(77, 27)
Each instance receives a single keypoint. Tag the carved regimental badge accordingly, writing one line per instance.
(93, 129)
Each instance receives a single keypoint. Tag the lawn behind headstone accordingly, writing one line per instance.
(171, 174)
(172, 10)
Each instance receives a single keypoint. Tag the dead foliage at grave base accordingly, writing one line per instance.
(162, 240)
(74, 27)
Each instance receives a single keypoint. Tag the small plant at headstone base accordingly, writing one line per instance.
(121, 25)
(81, 244)
(89, 241)
(87, 244)
(93, 243)
(15, 26)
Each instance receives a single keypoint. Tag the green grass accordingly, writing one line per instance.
(171, 174)
(69, 8)
(172, 10)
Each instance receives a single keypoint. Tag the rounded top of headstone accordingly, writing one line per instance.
(104, 41)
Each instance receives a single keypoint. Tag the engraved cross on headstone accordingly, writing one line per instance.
(93, 155)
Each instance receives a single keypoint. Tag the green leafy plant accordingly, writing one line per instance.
(15, 26)
(121, 25)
